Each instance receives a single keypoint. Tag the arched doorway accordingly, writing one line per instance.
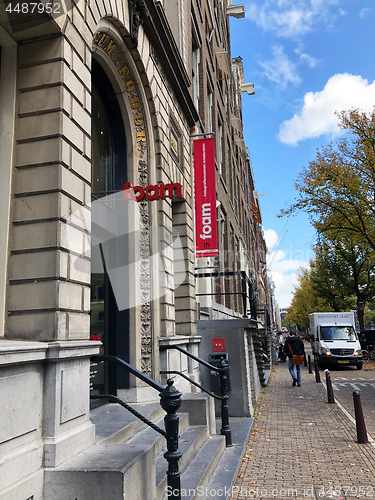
(109, 173)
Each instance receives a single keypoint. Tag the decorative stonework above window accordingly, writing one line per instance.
(175, 140)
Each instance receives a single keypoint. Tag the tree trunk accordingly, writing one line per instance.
(361, 313)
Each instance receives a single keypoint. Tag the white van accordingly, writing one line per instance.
(334, 341)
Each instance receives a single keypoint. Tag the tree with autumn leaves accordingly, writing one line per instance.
(339, 278)
(337, 190)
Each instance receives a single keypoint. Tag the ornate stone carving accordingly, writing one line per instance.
(145, 275)
(137, 11)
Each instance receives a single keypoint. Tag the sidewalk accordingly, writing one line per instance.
(300, 442)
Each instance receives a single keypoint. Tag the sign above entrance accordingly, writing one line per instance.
(152, 192)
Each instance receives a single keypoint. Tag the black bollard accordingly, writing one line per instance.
(359, 419)
(170, 401)
(304, 359)
(225, 428)
(310, 365)
(331, 398)
(317, 374)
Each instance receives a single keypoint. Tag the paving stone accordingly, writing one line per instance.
(300, 442)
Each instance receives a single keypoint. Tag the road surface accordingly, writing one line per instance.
(346, 380)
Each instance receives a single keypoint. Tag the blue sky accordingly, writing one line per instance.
(306, 59)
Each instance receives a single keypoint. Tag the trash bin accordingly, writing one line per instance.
(214, 359)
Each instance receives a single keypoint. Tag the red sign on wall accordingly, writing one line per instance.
(218, 345)
(205, 198)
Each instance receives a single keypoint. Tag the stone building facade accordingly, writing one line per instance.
(220, 83)
(92, 97)
(97, 98)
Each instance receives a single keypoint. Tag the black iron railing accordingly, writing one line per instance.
(170, 401)
(222, 369)
(171, 372)
(247, 289)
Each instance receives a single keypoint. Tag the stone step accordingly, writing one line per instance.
(127, 463)
(196, 477)
(114, 424)
(113, 427)
(190, 442)
(224, 476)
(104, 471)
(118, 469)
(152, 438)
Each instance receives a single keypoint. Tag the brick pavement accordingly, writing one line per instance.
(299, 442)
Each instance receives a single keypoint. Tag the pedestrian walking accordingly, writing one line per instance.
(294, 348)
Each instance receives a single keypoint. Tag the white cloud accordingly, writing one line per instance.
(284, 273)
(310, 61)
(363, 12)
(284, 268)
(280, 69)
(290, 18)
(342, 91)
(284, 287)
(305, 58)
(271, 238)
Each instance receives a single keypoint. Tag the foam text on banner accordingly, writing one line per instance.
(205, 198)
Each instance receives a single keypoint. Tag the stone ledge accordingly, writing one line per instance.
(21, 351)
(180, 339)
(14, 352)
(72, 349)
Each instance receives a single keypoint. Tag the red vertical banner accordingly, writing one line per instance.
(205, 198)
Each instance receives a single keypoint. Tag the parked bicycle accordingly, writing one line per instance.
(369, 353)
(281, 356)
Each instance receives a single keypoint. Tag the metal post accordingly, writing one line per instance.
(304, 359)
(244, 295)
(317, 374)
(170, 401)
(309, 361)
(359, 419)
(225, 428)
(331, 398)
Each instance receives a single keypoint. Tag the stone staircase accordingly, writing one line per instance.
(127, 462)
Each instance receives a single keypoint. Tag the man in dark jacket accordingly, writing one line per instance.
(294, 345)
